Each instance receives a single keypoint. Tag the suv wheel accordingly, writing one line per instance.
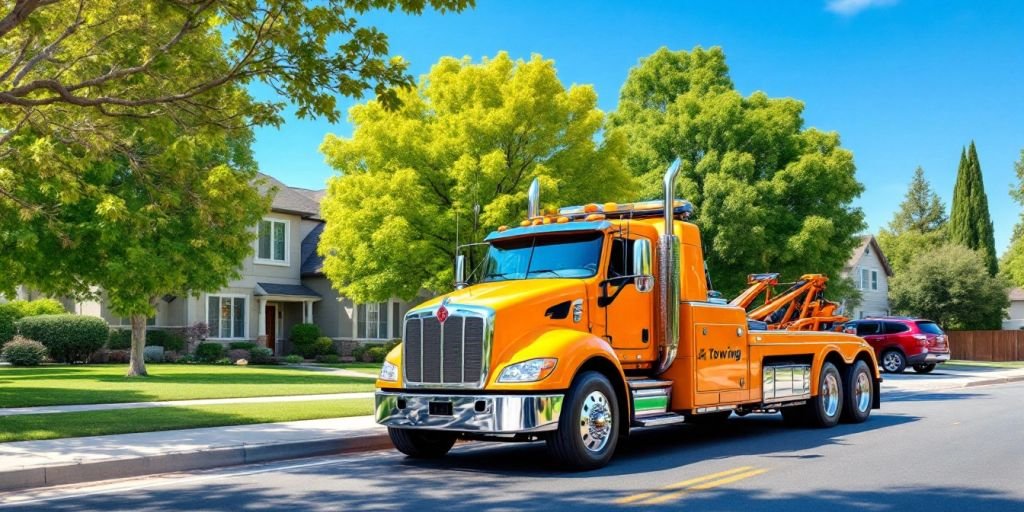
(893, 361)
(924, 368)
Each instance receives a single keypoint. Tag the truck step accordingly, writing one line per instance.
(669, 418)
(648, 383)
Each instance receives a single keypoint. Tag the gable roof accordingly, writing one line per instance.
(312, 262)
(302, 202)
(858, 253)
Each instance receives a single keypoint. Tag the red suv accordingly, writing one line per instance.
(899, 342)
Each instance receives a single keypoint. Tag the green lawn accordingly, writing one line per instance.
(32, 427)
(988, 364)
(96, 384)
(367, 368)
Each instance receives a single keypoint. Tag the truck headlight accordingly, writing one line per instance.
(528, 371)
(389, 372)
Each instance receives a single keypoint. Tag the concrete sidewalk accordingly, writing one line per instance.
(84, 459)
(54, 409)
(948, 377)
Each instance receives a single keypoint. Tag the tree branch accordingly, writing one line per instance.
(21, 11)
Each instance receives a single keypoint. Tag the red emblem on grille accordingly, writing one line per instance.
(442, 313)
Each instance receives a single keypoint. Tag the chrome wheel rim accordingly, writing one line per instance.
(595, 421)
(862, 392)
(830, 394)
(891, 361)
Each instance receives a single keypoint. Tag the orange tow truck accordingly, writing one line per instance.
(594, 320)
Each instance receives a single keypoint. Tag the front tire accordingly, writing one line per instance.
(421, 444)
(859, 393)
(924, 368)
(588, 429)
(893, 361)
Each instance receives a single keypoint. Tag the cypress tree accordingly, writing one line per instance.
(970, 224)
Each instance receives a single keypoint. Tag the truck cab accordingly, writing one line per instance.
(585, 323)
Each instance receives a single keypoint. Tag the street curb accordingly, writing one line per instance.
(1001, 380)
(26, 478)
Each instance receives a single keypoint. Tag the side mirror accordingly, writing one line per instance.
(644, 280)
(460, 272)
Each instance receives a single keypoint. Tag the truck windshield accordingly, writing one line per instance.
(543, 257)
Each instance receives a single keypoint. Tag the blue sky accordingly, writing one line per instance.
(904, 82)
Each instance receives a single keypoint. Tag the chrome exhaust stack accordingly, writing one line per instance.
(668, 263)
(533, 210)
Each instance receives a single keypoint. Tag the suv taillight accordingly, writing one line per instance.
(921, 339)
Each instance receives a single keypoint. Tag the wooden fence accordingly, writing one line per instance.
(987, 345)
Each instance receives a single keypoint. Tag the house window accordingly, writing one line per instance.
(396, 321)
(372, 321)
(226, 317)
(874, 279)
(864, 278)
(272, 242)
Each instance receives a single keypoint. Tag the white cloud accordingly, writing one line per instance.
(852, 7)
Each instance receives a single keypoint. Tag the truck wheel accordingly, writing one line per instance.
(893, 361)
(421, 444)
(825, 409)
(924, 368)
(588, 428)
(858, 391)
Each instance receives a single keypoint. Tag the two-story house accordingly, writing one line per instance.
(870, 272)
(281, 284)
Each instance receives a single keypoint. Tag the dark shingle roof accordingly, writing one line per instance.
(291, 200)
(312, 263)
(297, 290)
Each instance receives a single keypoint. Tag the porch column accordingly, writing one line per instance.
(307, 311)
(261, 326)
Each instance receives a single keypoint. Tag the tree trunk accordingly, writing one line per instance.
(137, 364)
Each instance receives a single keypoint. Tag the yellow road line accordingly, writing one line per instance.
(679, 485)
(709, 485)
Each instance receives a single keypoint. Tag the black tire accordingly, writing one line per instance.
(858, 393)
(421, 444)
(924, 368)
(893, 361)
(825, 409)
(591, 404)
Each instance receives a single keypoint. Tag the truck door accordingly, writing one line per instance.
(627, 312)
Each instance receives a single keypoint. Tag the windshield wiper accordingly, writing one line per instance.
(548, 270)
(502, 275)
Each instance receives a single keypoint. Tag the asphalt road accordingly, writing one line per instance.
(960, 450)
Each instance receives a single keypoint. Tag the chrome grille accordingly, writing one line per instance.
(453, 354)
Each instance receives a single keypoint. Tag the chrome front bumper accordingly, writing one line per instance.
(487, 414)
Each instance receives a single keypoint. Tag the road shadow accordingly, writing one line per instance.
(925, 396)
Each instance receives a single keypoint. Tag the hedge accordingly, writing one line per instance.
(305, 334)
(11, 312)
(68, 338)
(121, 339)
(209, 352)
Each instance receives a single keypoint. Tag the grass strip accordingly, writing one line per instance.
(987, 364)
(102, 384)
(34, 427)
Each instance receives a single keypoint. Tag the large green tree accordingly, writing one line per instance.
(770, 194)
(1012, 264)
(970, 224)
(917, 227)
(952, 287)
(459, 152)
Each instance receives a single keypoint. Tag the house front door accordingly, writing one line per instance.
(271, 314)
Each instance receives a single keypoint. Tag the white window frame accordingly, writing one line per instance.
(245, 314)
(874, 279)
(287, 243)
(389, 323)
(865, 277)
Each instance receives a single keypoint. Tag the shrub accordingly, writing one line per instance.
(293, 359)
(196, 332)
(209, 352)
(8, 316)
(238, 353)
(171, 356)
(69, 338)
(242, 345)
(186, 359)
(166, 339)
(223, 361)
(357, 352)
(118, 356)
(11, 312)
(304, 334)
(23, 352)
(375, 354)
(328, 359)
(119, 339)
(261, 355)
(153, 354)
